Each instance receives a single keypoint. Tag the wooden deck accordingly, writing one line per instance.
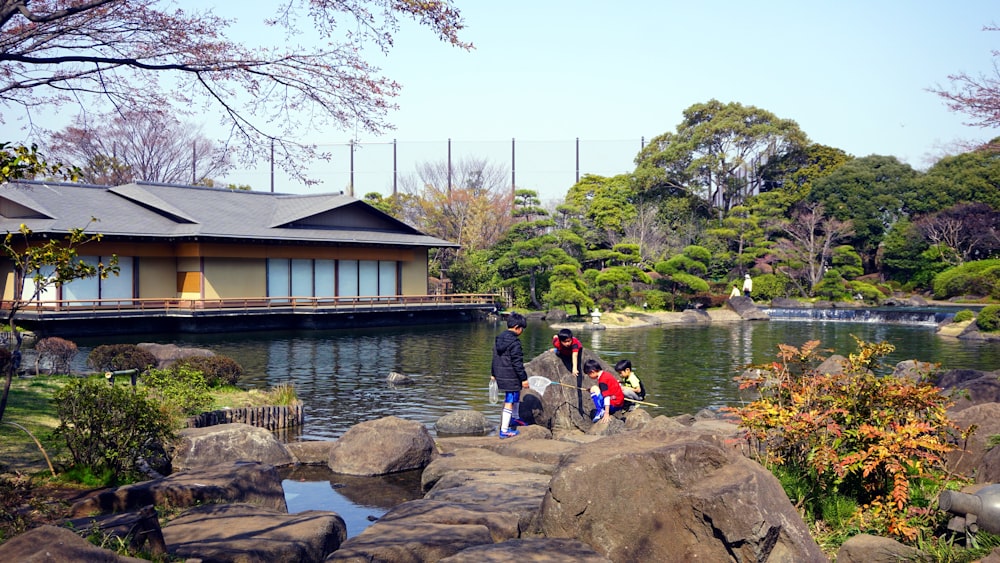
(139, 316)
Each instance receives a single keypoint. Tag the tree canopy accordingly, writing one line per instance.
(718, 152)
(143, 54)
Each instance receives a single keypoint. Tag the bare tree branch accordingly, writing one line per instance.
(139, 55)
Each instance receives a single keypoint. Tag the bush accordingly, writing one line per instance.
(218, 370)
(980, 277)
(655, 299)
(58, 353)
(768, 286)
(964, 315)
(117, 357)
(181, 389)
(868, 292)
(989, 318)
(108, 427)
(877, 441)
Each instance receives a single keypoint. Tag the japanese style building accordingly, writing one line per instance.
(210, 259)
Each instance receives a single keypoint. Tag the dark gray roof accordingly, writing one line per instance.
(169, 212)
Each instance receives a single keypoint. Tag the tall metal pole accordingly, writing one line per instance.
(351, 186)
(449, 169)
(395, 170)
(194, 165)
(578, 160)
(272, 165)
(513, 169)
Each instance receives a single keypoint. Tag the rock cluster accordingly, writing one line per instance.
(637, 489)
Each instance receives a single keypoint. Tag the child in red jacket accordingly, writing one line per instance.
(607, 395)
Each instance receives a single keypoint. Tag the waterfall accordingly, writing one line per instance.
(892, 315)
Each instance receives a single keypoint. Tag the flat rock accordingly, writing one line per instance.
(51, 544)
(511, 491)
(536, 550)
(502, 524)
(404, 541)
(231, 482)
(243, 533)
(311, 452)
(477, 459)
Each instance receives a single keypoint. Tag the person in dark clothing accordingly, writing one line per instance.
(508, 371)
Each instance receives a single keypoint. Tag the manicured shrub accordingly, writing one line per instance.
(57, 352)
(108, 427)
(655, 299)
(868, 292)
(768, 286)
(117, 357)
(980, 277)
(989, 318)
(964, 315)
(218, 370)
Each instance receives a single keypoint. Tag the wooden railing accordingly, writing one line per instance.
(259, 304)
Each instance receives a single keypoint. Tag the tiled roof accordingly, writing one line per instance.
(196, 213)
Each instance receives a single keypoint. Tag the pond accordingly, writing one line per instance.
(340, 375)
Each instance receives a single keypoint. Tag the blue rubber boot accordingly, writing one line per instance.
(599, 405)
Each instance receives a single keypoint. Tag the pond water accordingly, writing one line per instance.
(340, 375)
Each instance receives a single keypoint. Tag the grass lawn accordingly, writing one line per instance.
(30, 405)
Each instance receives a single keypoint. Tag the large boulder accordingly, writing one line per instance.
(656, 495)
(970, 387)
(240, 532)
(50, 544)
(989, 467)
(385, 445)
(208, 446)
(986, 418)
(916, 371)
(463, 422)
(747, 309)
(248, 482)
(566, 404)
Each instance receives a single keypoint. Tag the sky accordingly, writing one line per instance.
(543, 74)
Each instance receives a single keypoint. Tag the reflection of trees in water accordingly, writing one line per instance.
(385, 491)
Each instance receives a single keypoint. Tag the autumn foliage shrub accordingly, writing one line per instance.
(876, 439)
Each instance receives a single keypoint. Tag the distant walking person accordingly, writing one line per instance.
(747, 285)
(508, 371)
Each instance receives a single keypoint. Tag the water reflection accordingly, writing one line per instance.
(358, 500)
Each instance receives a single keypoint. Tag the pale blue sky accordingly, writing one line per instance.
(853, 74)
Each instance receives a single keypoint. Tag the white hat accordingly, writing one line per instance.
(747, 276)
